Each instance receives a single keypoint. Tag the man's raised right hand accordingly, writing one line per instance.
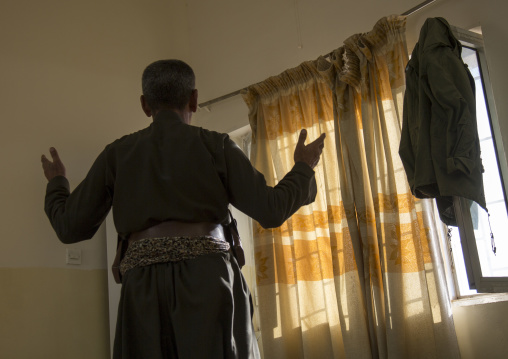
(311, 153)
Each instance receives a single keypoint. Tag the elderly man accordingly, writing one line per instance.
(170, 184)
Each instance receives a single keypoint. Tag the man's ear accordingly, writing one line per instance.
(193, 103)
(144, 105)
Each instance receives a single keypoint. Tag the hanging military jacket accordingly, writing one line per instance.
(439, 146)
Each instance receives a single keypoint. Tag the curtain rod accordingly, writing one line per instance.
(237, 92)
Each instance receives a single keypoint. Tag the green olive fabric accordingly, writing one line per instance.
(439, 146)
(196, 308)
(172, 171)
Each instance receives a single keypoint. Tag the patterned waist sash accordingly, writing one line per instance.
(149, 251)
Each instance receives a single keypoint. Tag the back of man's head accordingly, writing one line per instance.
(168, 84)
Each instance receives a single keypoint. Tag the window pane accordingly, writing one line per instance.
(491, 179)
(491, 265)
(458, 264)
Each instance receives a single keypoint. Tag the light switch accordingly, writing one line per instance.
(73, 256)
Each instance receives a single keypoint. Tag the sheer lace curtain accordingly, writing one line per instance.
(356, 274)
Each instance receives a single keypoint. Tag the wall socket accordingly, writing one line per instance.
(73, 256)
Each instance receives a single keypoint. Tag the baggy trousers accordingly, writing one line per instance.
(191, 309)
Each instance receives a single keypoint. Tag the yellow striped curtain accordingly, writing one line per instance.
(354, 274)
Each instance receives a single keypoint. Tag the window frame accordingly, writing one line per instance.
(475, 277)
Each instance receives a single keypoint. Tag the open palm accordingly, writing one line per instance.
(55, 168)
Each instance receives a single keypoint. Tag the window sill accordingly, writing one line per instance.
(479, 299)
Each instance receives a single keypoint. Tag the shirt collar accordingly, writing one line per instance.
(167, 116)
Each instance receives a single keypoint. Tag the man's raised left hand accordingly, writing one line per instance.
(55, 168)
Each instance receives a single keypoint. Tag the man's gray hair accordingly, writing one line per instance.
(168, 84)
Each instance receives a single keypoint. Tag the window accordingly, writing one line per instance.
(242, 137)
(480, 264)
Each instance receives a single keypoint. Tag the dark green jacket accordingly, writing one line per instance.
(172, 171)
(439, 146)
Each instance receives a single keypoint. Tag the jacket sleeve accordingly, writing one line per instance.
(270, 206)
(453, 108)
(77, 216)
(406, 153)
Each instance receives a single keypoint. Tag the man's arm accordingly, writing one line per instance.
(271, 206)
(76, 216)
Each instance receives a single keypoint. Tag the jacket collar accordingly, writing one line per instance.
(168, 116)
(435, 32)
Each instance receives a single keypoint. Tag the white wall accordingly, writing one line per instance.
(238, 43)
(70, 78)
(265, 43)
